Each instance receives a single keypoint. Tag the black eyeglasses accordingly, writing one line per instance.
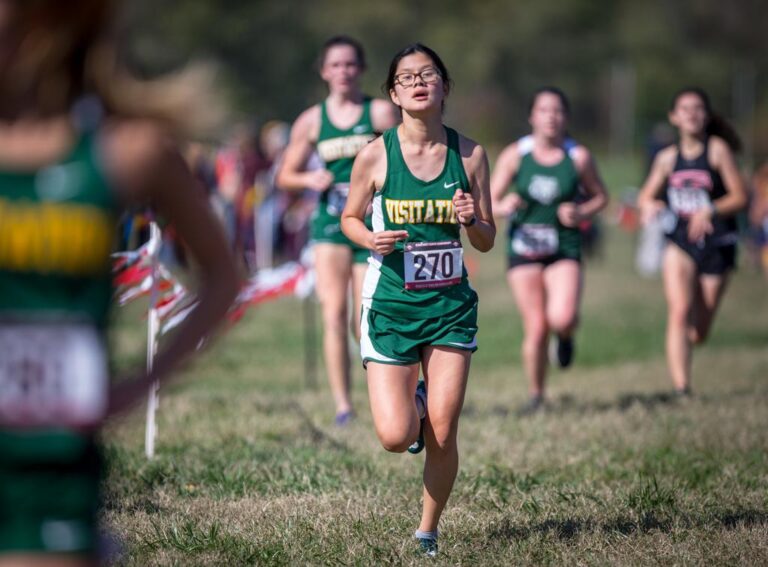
(428, 76)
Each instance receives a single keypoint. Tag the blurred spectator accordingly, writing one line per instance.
(758, 218)
(237, 165)
(651, 241)
(282, 224)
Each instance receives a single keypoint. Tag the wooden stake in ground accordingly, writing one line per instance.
(153, 324)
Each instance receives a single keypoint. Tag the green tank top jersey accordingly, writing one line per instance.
(57, 228)
(535, 231)
(338, 149)
(424, 277)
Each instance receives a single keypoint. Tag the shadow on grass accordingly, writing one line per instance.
(568, 404)
(569, 528)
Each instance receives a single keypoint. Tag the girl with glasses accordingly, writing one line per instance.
(428, 184)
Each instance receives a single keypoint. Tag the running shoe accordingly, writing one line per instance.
(344, 418)
(421, 393)
(564, 351)
(684, 393)
(534, 405)
(428, 546)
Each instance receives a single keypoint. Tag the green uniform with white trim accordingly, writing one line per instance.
(419, 294)
(536, 235)
(338, 149)
(57, 226)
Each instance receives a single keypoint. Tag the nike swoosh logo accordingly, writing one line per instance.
(449, 185)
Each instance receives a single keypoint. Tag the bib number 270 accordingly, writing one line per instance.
(433, 264)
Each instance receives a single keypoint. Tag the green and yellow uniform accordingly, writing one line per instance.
(419, 294)
(536, 235)
(57, 226)
(338, 149)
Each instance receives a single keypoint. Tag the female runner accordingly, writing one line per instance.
(698, 183)
(338, 128)
(64, 175)
(427, 182)
(548, 170)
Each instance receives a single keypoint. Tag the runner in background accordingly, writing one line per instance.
(337, 128)
(548, 169)
(758, 218)
(79, 140)
(696, 184)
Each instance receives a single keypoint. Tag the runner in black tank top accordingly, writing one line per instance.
(698, 188)
(693, 185)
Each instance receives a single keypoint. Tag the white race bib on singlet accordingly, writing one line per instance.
(430, 265)
(337, 198)
(684, 201)
(535, 240)
(52, 375)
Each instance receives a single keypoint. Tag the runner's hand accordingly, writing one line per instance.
(700, 224)
(569, 216)
(650, 210)
(509, 205)
(318, 179)
(464, 205)
(384, 242)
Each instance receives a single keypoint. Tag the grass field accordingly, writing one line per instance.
(250, 470)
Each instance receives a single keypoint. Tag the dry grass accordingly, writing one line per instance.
(250, 469)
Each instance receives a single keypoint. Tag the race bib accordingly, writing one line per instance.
(684, 201)
(337, 198)
(430, 265)
(535, 241)
(52, 375)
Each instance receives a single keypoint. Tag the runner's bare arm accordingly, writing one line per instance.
(648, 200)
(384, 115)
(476, 204)
(292, 175)
(592, 184)
(736, 198)
(504, 171)
(368, 175)
(147, 168)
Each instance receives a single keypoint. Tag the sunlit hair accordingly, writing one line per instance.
(340, 40)
(553, 91)
(716, 124)
(389, 84)
(67, 51)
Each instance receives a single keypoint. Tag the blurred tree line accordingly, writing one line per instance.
(619, 60)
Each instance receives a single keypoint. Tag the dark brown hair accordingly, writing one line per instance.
(389, 84)
(342, 40)
(553, 91)
(67, 52)
(716, 124)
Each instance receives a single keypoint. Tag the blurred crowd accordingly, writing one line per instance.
(267, 225)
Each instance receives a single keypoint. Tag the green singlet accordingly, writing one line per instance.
(57, 226)
(338, 149)
(535, 234)
(419, 294)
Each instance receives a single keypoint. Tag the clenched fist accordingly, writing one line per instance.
(384, 242)
(464, 205)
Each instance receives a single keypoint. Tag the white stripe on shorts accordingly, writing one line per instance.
(367, 351)
(469, 345)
